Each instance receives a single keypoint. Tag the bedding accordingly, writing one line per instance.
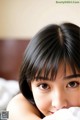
(8, 89)
(72, 113)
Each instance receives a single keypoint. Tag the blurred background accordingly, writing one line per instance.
(23, 18)
(19, 22)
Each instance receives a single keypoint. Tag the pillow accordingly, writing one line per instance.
(72, 113)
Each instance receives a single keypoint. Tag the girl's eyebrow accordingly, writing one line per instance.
(41, 77)
(65, 78)
(71, 76)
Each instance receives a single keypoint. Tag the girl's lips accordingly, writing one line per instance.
(51, 112)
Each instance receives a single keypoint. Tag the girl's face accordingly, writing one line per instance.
(63, 92)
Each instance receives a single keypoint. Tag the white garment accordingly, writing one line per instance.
(72, 113)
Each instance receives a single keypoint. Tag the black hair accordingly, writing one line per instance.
(51, 46)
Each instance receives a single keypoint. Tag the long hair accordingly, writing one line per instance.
(51, 46)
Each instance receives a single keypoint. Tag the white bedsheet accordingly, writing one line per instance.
(8, 89)
(72, 113)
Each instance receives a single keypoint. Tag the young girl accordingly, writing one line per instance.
(50, 73)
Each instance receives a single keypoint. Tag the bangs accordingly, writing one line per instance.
(50, 70)
(45, 62)
(47, 68)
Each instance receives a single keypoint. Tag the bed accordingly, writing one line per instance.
(11, 54)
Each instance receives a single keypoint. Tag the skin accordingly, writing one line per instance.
(63, 92)
(49, 97)
(21, 109)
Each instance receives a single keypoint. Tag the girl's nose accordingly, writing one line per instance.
(59, 100)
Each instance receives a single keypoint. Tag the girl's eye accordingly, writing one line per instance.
(73, 84)
(43, 86)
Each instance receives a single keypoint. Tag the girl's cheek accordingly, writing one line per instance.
(42, 100)
(43, 105)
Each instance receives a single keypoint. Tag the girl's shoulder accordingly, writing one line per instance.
(19, 107)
